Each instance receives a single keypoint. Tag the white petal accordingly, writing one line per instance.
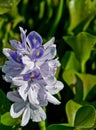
(38, 115)
(14, 96)
(6, 52)
(18, 81)
(11, 70)
(33, 95)
(26, 116)
(42, 97)
(23, 91)
(23, 34)
(26, 60)
(52, 99)
(49, 53)
(14, 43)
(55, 88)
(54, 63)
(28, 64)
(15, 114)
(7, 78)
(49, 43)
(50, 80)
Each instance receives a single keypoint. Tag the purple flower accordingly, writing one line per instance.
(34, 40)
(31, 68)
(13, 66)
(24, 108)
(29, 42)
(32, 86)
(21, 47)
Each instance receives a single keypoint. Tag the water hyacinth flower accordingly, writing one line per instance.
(24, 108)
(37, 89)
(31, 68)
(13, 66)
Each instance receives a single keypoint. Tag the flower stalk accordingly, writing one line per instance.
(42, 125)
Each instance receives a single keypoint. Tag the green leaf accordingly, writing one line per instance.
(82, 45)
(15, 2)
(75, 83)
(81, 11)
(6, 5)
(59, 11)
(69, 77)
(88, 82)
(3, 127)
(71, 109)
(7, 120)
(2, 59)
(4, 103)
(80, 83)
(59, 127)
(69, 61)
(85, 117)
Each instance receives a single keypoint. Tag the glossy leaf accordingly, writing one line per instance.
(71, 109)
(75, 83)
(85, 117)
(69, 77)
(4, 103)
(81, 11)
(69, 61)
(59, 127)
(82, 45)
(88, 82)
(80, 83)
(7, 120)
(3, 127)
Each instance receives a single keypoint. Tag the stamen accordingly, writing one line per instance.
(17, 59)
(32, 75)
(37, 53)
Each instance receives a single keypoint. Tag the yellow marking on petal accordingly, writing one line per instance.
(17, 59)
(34, 40)
(32, 75)
(37, 53)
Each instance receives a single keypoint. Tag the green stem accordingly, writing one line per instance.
(57, 18)
(82, 67)
(42, 125)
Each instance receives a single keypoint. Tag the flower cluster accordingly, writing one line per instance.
(31, 69)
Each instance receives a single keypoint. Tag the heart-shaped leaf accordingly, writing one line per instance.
(7, 120)
(59, 127)
(69, 77)
(71, 109)
(85, 117)
(88, 82)
(81, 11)
(82, 45)
(69, 61)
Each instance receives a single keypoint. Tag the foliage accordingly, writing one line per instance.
(73, 23)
